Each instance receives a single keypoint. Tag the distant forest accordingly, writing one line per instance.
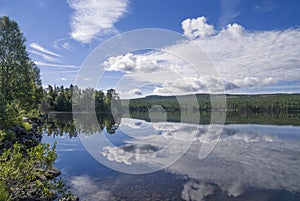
(60, 99)
(262, 103)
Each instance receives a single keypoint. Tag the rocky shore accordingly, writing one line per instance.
(28, 138)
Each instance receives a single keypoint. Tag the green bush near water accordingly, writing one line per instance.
(25, 173)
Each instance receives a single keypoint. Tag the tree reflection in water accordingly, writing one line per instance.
(58, 124)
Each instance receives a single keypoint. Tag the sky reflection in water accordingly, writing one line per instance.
(250, 162)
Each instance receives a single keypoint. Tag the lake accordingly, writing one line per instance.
(139, 160)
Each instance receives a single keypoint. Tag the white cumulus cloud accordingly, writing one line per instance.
(197, 27)
(233, 30)
(129, 63)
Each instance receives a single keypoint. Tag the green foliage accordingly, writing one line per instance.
(4, 195)
(2, 135)
(19, 77)
(14, 116)
(61, 99)
(33, 114)
(26, 125)
(10, 116)
(20, 84)
(7, 135)
(25, 173)
(57, 99)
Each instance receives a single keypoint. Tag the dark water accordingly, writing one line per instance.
(160, 161)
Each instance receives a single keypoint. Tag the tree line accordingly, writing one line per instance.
(262, 103)
(67, 99)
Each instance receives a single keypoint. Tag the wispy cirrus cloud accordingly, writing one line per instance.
(94, 17)
(67, 43)
(67, 46)
(45, 56)
(38, 47)
(55, 65)
(228, 11)
(265, 6)
(44, 53)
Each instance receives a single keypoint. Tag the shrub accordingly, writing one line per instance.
(25, 173)
(4, 195)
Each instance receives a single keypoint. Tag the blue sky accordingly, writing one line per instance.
(255, 45)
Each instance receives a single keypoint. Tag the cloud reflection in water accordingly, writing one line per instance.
(243, 159)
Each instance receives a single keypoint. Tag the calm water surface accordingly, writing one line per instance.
(250, 162)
